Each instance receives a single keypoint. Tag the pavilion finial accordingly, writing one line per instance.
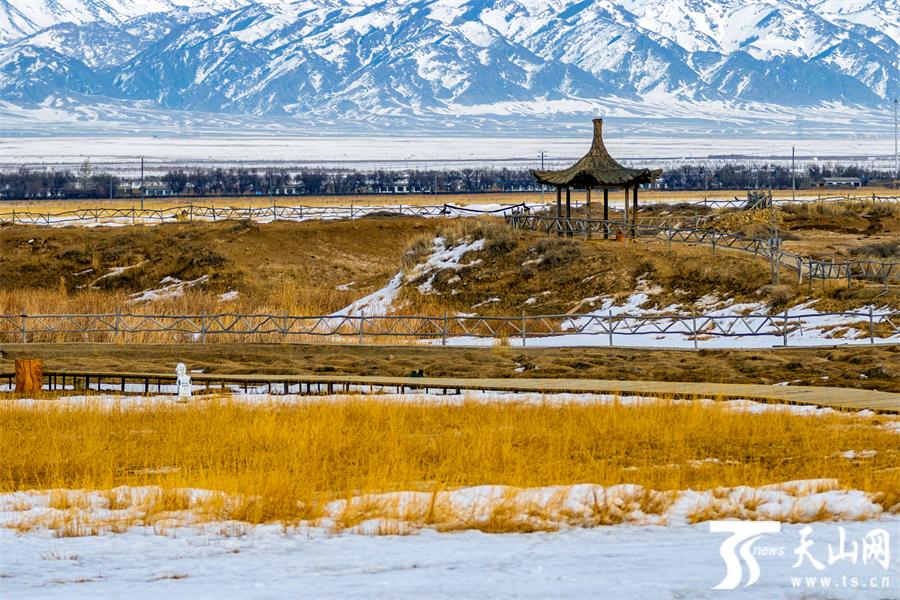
(598, 135)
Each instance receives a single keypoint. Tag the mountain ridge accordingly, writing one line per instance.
(429, 59)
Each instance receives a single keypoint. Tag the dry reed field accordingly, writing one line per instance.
(285, 462)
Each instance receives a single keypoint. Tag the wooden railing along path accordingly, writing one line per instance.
(784, 329)
(150, 383)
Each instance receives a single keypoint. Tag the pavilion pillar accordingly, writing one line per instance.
(587, 233)
(559, 210)
(568, 211)
(605, 213)
(625, 220)
(634, 211)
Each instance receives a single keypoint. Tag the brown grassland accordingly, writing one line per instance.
(525, 271)
(875, 367)
(276, 462)
(284, 462)
(283, 267)
(320, 267)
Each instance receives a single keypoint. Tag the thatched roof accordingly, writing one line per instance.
(597, 169)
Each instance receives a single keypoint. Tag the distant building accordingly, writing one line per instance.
(838, 182)
(151, 189)
(400, 186)
(288, 191)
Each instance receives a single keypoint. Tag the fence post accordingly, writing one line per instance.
(203, 327)
(784, 328)
(871, 326)
(523, 328)
(284, 327)
(116, 326)
(714, 240)
(694, 327)
(444, 330)
(609, 328)
(24, 328)
(362, 325)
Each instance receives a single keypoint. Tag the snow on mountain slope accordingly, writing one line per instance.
(19, 18)
(29, 74)
(430, 58)
(880, 15)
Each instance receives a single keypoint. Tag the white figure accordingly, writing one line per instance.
(184, 381)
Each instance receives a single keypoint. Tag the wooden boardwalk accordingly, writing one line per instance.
(838, 398)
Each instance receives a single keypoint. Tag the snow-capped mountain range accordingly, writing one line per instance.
(435, 58)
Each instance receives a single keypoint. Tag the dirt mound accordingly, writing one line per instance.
(278, 264)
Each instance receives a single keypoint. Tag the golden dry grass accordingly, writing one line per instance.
(285, 462)
(298, 268)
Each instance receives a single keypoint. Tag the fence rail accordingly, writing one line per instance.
(191, 212)
(739, 203)
(612, 330)
(881, 271)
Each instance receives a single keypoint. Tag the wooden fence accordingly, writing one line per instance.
(609, 330)
(192, 212)
(882, 271)
(739, 203)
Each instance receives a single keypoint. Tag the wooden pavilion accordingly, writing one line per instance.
(597, 169)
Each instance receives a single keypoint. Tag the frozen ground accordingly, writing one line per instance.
(166, 395)
(617, 562)
(122, 153)
(650, 555)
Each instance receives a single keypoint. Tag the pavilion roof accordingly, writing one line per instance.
(597, 169)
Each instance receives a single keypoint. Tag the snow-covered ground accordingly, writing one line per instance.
(730, 325)
(233, 560)
(655, 550)
(258, 396)
(168, 151)
(172, 287)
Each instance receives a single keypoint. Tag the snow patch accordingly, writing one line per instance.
(171, 288)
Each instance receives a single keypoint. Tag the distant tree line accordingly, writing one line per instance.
(734, 176)
(86, 183)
